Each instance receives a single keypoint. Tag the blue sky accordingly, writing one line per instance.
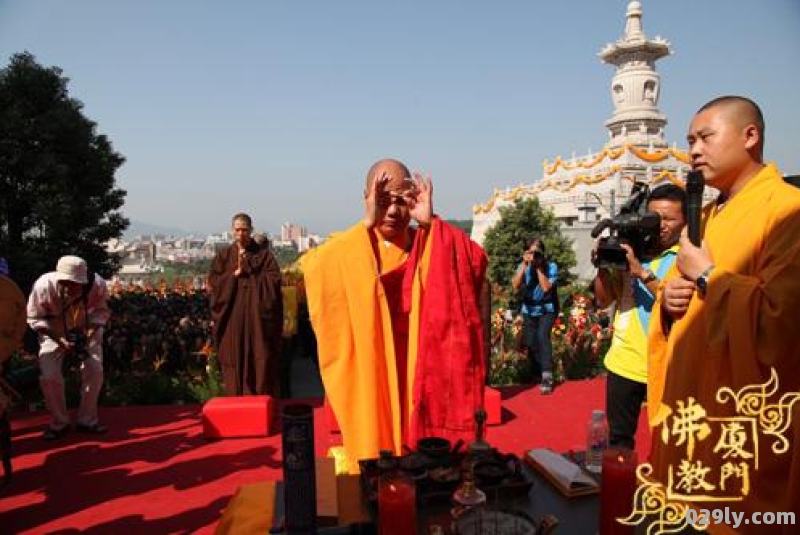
(278, 108)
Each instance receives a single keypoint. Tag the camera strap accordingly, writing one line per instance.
(73, 359)
(83, 300)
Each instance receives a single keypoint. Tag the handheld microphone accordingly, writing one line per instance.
(694, 204)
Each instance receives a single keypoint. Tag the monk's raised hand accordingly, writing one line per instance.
(240, 260)
(422, 204)
(678, 293)
(375, 189)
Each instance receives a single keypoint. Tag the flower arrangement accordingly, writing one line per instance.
(580, 338)
(509, 360)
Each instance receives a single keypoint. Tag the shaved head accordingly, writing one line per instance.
(726, 142)
(740, 112)
(394, 169)
(394, 197)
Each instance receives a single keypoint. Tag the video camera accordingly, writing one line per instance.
(80, 344)
(633, 225)
(536, 257)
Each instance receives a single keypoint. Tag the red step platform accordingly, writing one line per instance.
(243, 416)
(491, 402)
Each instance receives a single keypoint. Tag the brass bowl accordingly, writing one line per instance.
(490, 473)
(436, 447)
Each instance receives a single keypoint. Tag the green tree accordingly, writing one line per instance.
(505, 241)
(463, 224)
(57, 185)
(196, 268)
(285, 255)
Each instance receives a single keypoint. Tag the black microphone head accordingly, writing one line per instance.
(695, 182)
(694, 204)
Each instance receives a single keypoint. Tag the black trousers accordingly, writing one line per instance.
(537, 338)
(623, 405)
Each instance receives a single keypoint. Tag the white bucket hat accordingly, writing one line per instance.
(71, 268)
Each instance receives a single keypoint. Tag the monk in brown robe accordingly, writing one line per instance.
(247, 310)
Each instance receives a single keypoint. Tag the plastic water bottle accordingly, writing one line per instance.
(596, 442)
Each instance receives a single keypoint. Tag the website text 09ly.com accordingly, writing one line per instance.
(704, 517)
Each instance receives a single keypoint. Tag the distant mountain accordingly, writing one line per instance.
(141, 228)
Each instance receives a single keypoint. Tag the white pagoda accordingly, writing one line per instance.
(583, 190)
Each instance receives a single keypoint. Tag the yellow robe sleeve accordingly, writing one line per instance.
(353, 326)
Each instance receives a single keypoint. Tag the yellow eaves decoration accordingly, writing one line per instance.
(522, 191)
(614, 154)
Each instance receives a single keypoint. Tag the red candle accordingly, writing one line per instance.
(617, 490)
(397, 506)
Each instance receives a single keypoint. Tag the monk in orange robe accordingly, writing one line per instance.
(727, 317)
(399, 315)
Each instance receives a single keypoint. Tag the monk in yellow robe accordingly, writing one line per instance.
(398, 314)
(729, 317)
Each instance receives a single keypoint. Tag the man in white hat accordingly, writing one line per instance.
(68, 312)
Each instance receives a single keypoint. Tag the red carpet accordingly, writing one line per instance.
(155, 473)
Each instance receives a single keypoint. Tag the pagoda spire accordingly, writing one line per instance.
(635, 87)
(633, 23)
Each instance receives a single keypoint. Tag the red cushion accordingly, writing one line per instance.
(244, 416)
(491, 401)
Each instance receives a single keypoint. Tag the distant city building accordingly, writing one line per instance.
(143, 258)
(222, 237)
(308, 242)
(292, 232)
(138, 264)
(583, 190)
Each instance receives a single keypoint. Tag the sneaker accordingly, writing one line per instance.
(51, 433)
(94, 429)
(546, 388)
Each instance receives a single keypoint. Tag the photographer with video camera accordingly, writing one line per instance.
(539, 308)
(68, 309)
(632, 286)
